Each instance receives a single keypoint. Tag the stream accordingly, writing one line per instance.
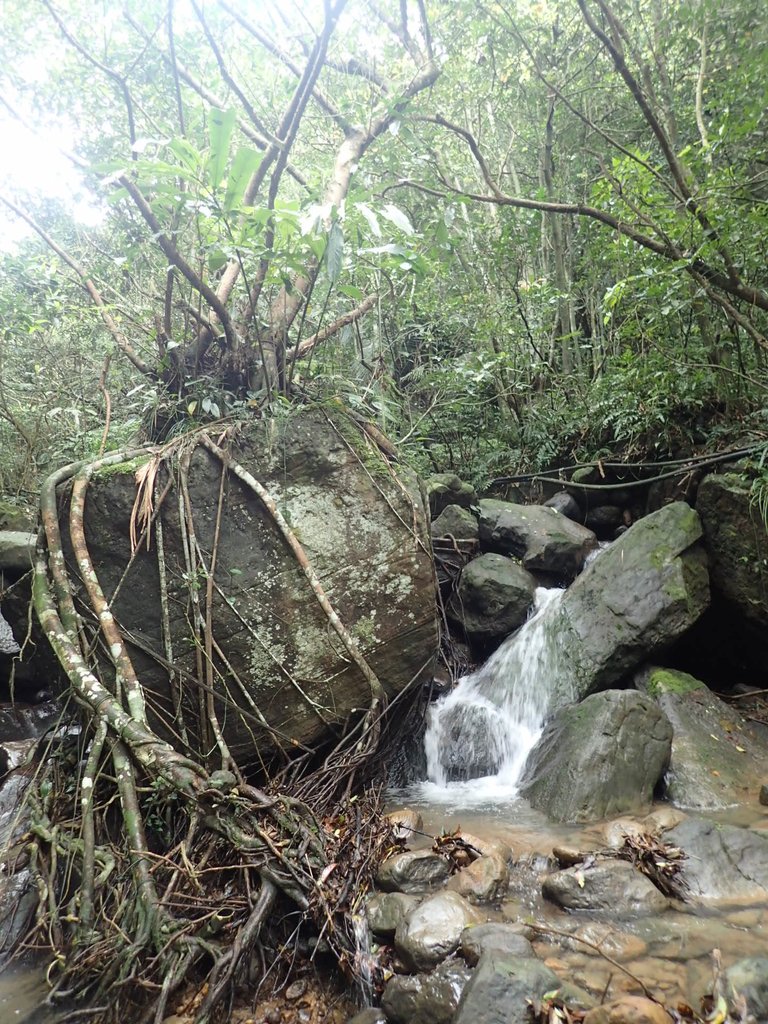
(477, 740)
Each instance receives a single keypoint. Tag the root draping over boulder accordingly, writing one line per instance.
(218, 594)
(235, 633)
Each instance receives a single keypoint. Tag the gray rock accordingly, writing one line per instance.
(566, 505)
(545, 540)
(485, 880)
(385, 910)
(499, 990)
(405, 823)
(604, 519)
(614, 887)
(444, 489)
(426, 998)
(715, 753)
(599, 758)
(413, 871)
(737, 544)
(17, 550)
(366, 536)
(504, 939)
(371, 1015)
(493, 598)
(474, 741)
(749, 978)
(8, 643)
(432, 931)
(455, 521)
(723, 862)
(642, 592)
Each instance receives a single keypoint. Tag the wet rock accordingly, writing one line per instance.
(499, 990)
(610, 940)
(485, 880)
(371, 1015)
(489, 844)
(405, 822)
(457, 522)
(566, 505)
(613, 887)
(604, 520)
(715, 756)
(426, 998)
(503, 939)
(543, 539)
(684, 937)
(723, 862)
(763, 795)
(385, 910)
(598, 758)
(444, 489)
(474, 741)
(737, 544)
(413, 871)
(749, 978)
(432, 931)
(492, 600)
(629, 1010)
(641, 593)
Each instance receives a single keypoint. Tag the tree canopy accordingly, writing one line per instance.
(513, 233)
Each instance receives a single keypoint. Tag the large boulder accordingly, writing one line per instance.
(541, 537)
(17, 550)
(716, 757)
(432, 931)
(493, 599)
(426, 998)
(283, 677)
(614, 887)
(457, 522)
(723, 863)
(500, 988)
(599, 758)
(637, 596)
(736, 540)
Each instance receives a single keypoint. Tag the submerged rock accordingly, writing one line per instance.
(613, 887)
(599, 758)
(426, 998)
(629, 1010)
(493, 599)
(541, 537)
(412, 871)
(499, 990)
(715, 756)
(749, 978)
(432, 931)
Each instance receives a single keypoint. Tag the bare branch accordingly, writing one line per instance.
(308, 344)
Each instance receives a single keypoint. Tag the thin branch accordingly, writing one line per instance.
(305, 346)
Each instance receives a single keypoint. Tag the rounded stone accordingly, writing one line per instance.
(432, 931)
(413, 871)
(485, 880)
(506, 939)
(610, 886)
(385, 910)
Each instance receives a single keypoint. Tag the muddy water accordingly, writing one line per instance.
(22, 994)
(670, 953)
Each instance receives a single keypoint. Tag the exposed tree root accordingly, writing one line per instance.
(158, 873)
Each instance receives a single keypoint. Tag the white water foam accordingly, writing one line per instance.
(478, 736)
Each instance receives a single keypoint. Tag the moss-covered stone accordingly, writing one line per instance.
(665, 680)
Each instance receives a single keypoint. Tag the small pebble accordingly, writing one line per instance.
(296, 990)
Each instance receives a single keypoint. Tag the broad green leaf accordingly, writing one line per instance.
(396, 216)
(244, 165)
(370, 216)
(352, 292)
(219, 132)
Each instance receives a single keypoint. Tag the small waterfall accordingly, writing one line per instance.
(479, 735)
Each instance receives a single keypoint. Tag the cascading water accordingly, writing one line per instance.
(479, 735)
